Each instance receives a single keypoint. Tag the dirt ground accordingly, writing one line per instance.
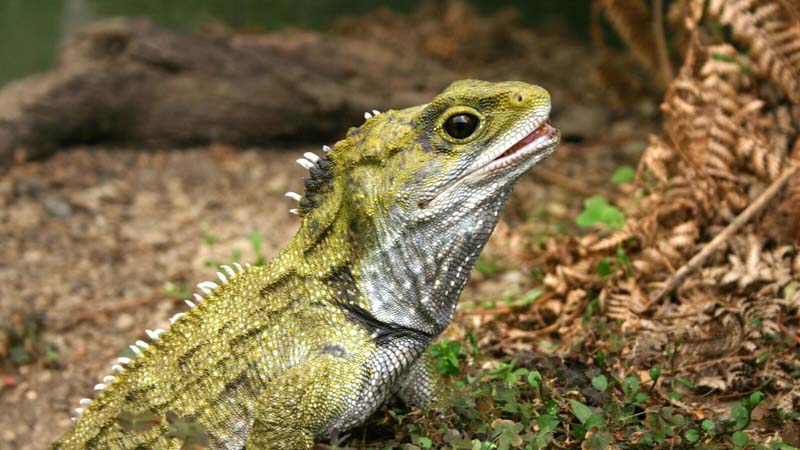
(98, 240)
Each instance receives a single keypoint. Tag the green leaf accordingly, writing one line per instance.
(581, 411)
(486, 268)
(655, 373)
(691, 435)
(527, 299)
(600, 440)
(595, 420)
(446, 355)
(756, 398)
(597, 210)
(600, 357)
(707, 425)
(740, 439)
(604, 267)
(547, 422)
(630, 386)
(507, 433)
(535, 379)
(256, 241)
(600, 382)
(741, 415)
(425, 442)
(623, 174)
(686, 382)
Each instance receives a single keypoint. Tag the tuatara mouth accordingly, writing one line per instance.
(539, 142)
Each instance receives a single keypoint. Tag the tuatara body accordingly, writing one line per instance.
(313, 342)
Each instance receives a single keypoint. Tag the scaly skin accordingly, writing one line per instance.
(315, 341)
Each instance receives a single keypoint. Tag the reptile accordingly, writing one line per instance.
(311, 343)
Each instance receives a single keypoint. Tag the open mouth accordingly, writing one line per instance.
(543, 132)
(538, 143)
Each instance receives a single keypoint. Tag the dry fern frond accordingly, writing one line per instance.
(731, 133)
(792, 202)
(765, 26)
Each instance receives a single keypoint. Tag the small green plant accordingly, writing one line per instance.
(256, 242)
(486, 267)
(623, 174)
(22, 341)
(447, 356)
(596, 210)
(620, 261)
(549, 402)
(176, 290)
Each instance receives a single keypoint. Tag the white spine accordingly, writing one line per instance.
(311, 157)
(228, 269)
(305, 163)
(175, 318)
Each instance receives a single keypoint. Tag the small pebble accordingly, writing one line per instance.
(124, 322)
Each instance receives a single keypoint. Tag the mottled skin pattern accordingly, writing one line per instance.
(311, 344)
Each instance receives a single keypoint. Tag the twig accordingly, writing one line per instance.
(789, 333)
(661, 42)
(700, 258)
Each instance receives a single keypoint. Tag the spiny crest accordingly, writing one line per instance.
(140, 346)
(318, 182)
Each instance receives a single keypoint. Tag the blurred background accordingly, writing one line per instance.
(31, 33)
(143, 143)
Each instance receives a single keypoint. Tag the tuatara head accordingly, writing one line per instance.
(468, 145)
(420, 190)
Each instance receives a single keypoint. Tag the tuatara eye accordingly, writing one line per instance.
(461, 126)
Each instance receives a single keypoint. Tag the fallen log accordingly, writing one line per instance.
(127, 81)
